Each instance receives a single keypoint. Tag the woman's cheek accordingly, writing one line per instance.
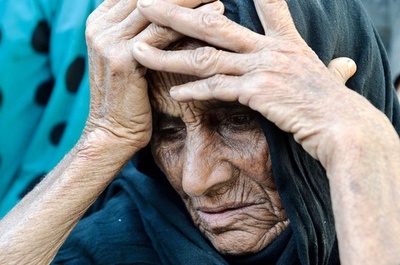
(169, 161)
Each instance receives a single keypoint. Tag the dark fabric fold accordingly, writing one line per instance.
(158, 228)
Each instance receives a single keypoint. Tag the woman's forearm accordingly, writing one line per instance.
(365, 185)
(35, 229)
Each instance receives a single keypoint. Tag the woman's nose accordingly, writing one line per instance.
(206, 165)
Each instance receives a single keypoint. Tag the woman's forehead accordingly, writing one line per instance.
(160, 84)
(164, 105)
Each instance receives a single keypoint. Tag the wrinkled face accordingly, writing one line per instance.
(216, 157)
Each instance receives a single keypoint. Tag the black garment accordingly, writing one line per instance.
(142, 220)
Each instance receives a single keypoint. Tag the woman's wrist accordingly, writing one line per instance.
(364, 177)
(99, 144)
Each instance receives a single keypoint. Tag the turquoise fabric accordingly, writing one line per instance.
(44, 91)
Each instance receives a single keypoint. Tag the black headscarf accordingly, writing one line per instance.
(332, 29)
(141, 220)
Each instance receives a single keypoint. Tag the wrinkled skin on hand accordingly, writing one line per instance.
(301, 96)
(119, 108)
(249, 73)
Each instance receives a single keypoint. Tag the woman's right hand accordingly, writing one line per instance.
(119, 124)
(120, 112)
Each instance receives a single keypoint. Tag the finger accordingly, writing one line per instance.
(136, 18)
(121, 11)
(124, 15)
(107, 4)
(212, 28)
(276, 18)
(343, 68)
(243, 89)
(160, 37)
(220, 87)
(190, 3)
(105, 18)
(201, 62)
(102, 8)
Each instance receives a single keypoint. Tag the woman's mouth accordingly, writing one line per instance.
(218, 217)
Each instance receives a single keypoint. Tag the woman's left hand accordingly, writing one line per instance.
(280, 76)
(276, 74)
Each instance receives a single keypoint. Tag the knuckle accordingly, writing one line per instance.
(156, 31)
(110, 55)
(204, 60)
(92, 23)
(172, 12)
(97, 44)
(90, 19)
(343, 76)
(211, 20)
(89, 32)
(161, 37)
(338, 73)
(215, 83)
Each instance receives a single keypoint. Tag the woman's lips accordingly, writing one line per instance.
(218, 217)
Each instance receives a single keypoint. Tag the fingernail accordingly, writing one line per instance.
(173, 92)
(141, 46)
(217, 5)
(146, 3)
(352, 66)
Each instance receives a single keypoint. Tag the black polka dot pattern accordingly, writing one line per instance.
(57, 133)
(43, 92)
(41, 37)
(75, 74)
(32, 184)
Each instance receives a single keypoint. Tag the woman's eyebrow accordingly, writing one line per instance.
(222, 104)
(159, 115)
(210, 105)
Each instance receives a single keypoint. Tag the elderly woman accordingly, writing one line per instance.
(268, 158)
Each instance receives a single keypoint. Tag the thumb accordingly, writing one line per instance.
(343, 68)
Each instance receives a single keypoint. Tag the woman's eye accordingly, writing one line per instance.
(168, 128)
(172, 133)
(240, 119)
(172, 130)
